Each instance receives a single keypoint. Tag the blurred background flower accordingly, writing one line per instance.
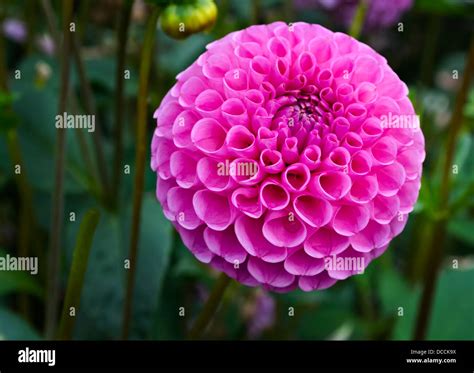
(379, 14)
(14, 30)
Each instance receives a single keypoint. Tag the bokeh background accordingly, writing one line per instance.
(426, 44)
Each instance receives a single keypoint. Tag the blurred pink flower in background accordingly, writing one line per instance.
(287, 156)
(380, 13)
(260, 314)
(14, 29)
(46, 44)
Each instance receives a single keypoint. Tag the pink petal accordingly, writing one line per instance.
(180, 204)
(208, 135)
(373, 236)
(390, 179)
(273, 195)
(313, 211)
(319, 282)
(273, 274)
(193, 239)
(330, 185)
(350, 219)
(247, 201)
(241, 141)
(283, 229)
(249, 234)
(215, 210)
(363, 189)
(183, 168)
(225, 244)
(301, 264)
(213, 174)
(385, 208)
(296, 177)
(325, 242)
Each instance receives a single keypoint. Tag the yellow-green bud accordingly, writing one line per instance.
(182, 20)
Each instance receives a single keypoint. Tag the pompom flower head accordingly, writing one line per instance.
(287, 156)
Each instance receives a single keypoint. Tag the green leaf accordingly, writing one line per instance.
(452, 310)
(101, 72)
(101, 312)
(453, 307)
(12, 327)
(8, 120)
(6, 99)
(17, 282)
(394, 292)
(153, 261)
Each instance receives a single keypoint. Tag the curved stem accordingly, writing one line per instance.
(210, 307)
(76, 275)
(358, 20)
(58, 196)
(140, 156)
(81, 140)
(91, 109)
(124, 22)
(439, 228)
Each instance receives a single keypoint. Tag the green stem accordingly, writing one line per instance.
(124, 22)
(90, 107)
(256, 14)
(83, 145)
(439, 230)
(365, 296)
(76, 275)
(27, 221)
(58, 195)
(49, 13)
(30, 17)
(140, 156)
(210, 307)
(358, 20)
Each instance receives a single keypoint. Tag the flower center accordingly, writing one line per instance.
(305, 116)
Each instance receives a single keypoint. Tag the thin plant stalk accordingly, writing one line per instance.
(210, 308)
(49, 13)
(30, 25)
(435, 258)
(140, 156)
(53, 282)
(50, 20)
(124, 22)
(90, 107)
(27, 221)
(358, 20)
(76, 275)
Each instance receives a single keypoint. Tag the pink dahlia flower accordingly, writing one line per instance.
(287, 156)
